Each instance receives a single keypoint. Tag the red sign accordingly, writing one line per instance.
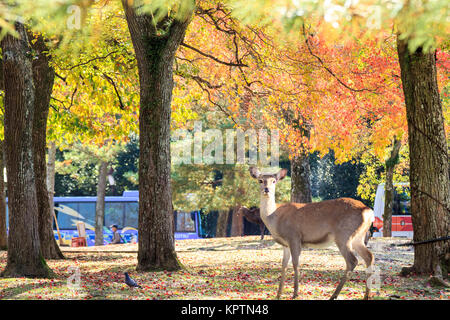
(378, 223)
(402, 223)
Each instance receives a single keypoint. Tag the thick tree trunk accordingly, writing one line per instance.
(429, 167)
(155, 52)
(24, 252)
(389, 189)
(43, 78)
(100, 205)
(3, 234)
(300, 179)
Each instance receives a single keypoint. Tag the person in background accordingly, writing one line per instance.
(116, 239)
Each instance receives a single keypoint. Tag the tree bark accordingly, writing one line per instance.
(51, 170)
(100, 205)
(3, 233)
(389, 188)
(237, 224)
(43, 78)
(222, 223)
(155, 45)
(429, 167)
(300, 179)
(24, 251)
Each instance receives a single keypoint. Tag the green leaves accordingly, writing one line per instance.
(161, 9)
(219, 187)
(423, 22)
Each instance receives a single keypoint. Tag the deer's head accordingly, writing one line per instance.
(267, 182)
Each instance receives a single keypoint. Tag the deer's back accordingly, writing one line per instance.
(322, 222)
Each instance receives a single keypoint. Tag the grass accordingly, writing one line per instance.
(220, 268)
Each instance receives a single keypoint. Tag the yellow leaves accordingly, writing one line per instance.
(95, 72)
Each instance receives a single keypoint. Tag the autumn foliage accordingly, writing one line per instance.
(347, 92)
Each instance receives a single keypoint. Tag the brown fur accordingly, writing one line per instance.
(346, 216)
(252, 215)
(343, 221)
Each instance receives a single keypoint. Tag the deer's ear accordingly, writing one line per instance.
(281, 174)
(254, 172)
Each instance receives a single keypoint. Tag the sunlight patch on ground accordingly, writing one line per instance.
(220, 268)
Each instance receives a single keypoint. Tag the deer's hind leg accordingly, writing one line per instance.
(351, 262)
(284, 264)
(367, 256)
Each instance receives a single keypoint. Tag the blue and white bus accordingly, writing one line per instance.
(120, 210)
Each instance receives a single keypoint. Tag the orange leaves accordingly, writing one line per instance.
(336, 89)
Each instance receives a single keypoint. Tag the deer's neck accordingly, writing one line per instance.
(267, 208)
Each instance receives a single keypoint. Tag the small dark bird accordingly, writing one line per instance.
(130, 282)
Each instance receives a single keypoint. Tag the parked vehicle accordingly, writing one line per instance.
(401, 213)
(119, 210)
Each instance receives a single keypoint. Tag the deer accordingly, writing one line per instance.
(344, 221)
(252, 215)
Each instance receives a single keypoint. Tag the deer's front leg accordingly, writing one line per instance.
(284, 264)
(295, 253)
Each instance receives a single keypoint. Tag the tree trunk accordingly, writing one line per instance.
(389, 188)
(300, 179)
(43, 78)
(429, 167)
(51, 170)
(222, 223)
(100, 205)
(3, 234)
(237, 224)
(24, 251)
(155, 45)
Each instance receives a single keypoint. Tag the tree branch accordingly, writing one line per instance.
(89, 61)
(213, 102)
(110, 80)
(322, 63)
(231, 64)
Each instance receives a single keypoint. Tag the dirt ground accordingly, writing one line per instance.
(222, 268)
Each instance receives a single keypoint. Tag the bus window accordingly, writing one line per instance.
(114, 214)
(87, 210)
(131, 215)
(67, 218)
(184, 222)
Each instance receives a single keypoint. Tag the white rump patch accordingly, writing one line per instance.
(368, 215)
